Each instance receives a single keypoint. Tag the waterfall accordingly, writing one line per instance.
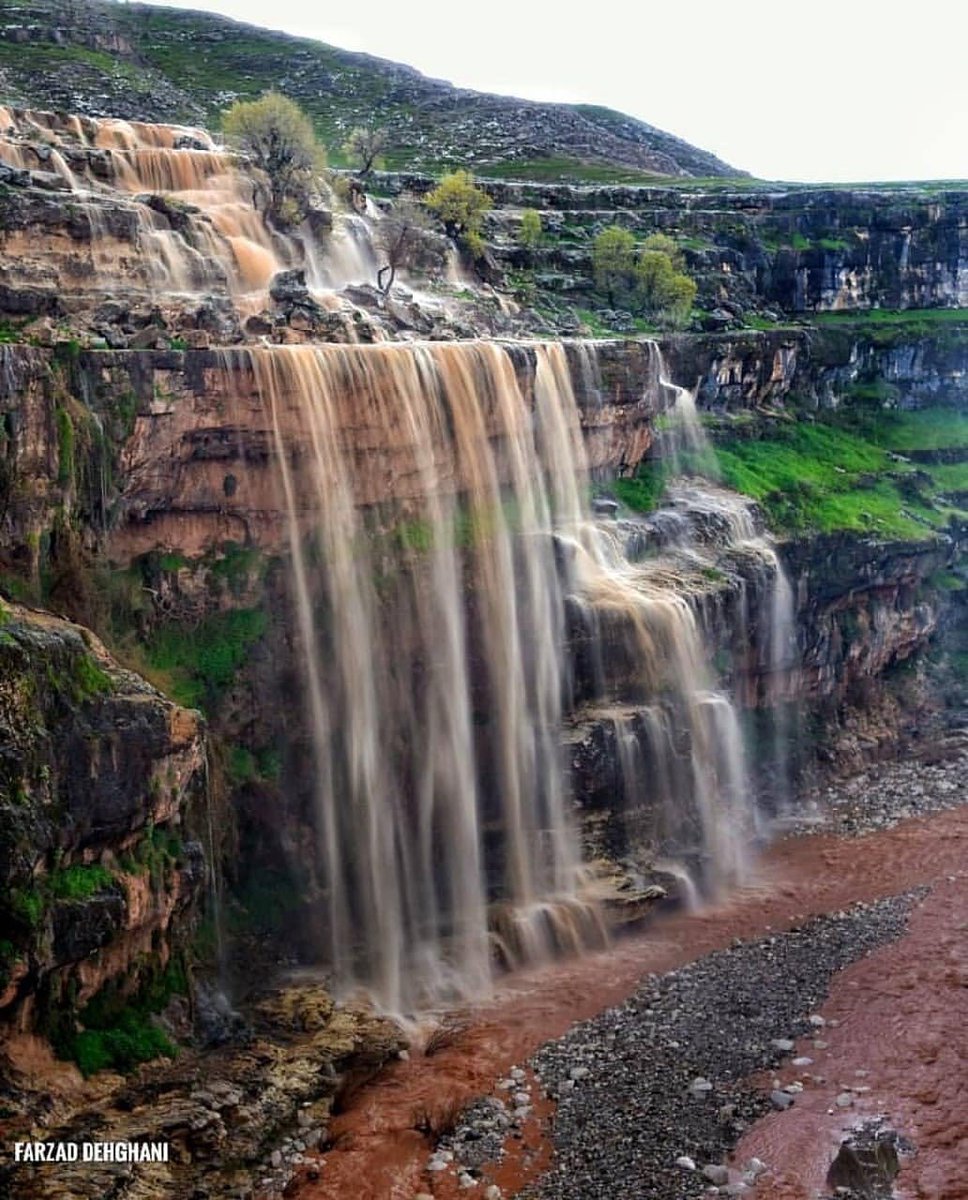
(775, 658)
(209, 236)
(434, 635)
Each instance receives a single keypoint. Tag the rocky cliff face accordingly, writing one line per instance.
(99, 863)
(790, 251)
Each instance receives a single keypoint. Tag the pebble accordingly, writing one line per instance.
(579, 1073)
(803, 1061)
(685, 1162)
(817, 1021)
(819, 1044)
(492, 1192)
(437, 1164)
(521, 1098)
(845, 1100)
(518, 1075)
(784, 1044)
(275, 1159)
(716, 1173)
(630, 1134)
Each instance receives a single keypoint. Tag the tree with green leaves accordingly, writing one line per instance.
(613, 262)
(279, 138)
(461, 205)
(667, 294)
(529, 231)
(364, 148)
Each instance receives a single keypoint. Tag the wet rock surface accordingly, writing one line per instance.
(666, 1071)
(867, 1163)
(888, 793)
(239, 1119)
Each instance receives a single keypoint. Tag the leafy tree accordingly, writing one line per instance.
(407, 241)
(461, 205)
(279, 138)
(666, 245)
(613, 261)
(529, 232)
(364, 147)
(667, 295)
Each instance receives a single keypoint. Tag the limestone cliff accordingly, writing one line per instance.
(99, 862)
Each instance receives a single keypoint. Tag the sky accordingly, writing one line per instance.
(813, 90)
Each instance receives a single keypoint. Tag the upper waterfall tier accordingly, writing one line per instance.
(108, 208)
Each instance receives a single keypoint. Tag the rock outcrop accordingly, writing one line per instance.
(99, 863)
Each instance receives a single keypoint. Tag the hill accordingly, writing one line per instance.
(145, 63)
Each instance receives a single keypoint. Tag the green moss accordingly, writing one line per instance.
(79, 882)
(65, 447)
(28, 905)
(245, 766)
(241, 766)
(89, 679)
(200, 662)
(237, 565)
(644, 490)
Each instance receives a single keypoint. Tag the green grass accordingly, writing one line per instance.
(197, 664)
(561, 169)
(838, 474)
(821, 477)
(644, 490)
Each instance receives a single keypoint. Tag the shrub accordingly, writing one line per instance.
(666, 294)
(529, 232)
(406, 241)
(364, 148)
(461, 205)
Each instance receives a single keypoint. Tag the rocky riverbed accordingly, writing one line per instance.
(652, 1095)
(564, 1084)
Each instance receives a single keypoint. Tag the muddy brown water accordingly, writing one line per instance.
(903, 1013)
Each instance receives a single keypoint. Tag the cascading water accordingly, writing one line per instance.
(212, 236)
(711, 518)
(434, 633)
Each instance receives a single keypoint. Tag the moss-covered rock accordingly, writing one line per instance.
(98, 870)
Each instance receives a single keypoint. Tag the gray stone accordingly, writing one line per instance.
(781, 1100)
(716, 1173)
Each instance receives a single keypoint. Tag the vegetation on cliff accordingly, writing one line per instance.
(865, 470)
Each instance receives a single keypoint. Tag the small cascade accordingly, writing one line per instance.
(196, 215)
(710, 525)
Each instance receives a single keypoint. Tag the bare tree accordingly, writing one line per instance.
(365, 146)
(407, 241)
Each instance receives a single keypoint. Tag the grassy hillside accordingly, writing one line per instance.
(149, 63)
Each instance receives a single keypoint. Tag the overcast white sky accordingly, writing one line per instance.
(787, 89)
